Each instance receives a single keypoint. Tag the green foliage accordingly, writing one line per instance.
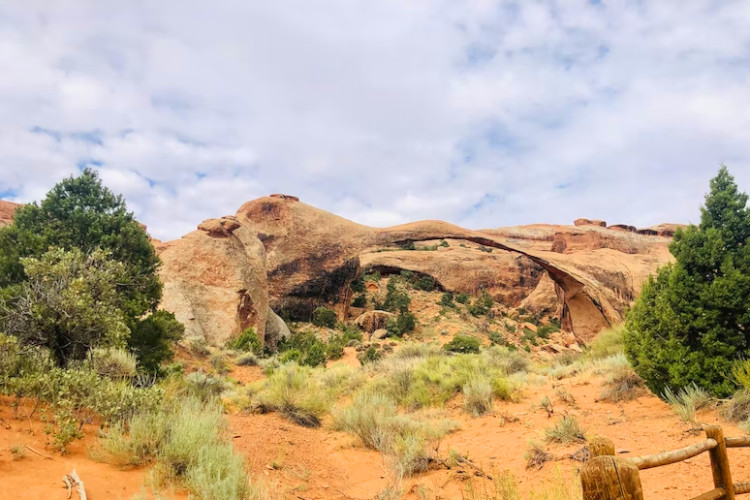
(247, 341)
(408, 245)
(444, 243)
(396, 298)
(446, 300)
(543, 331)
(358, 285)
(607, 343)
(462, 298)
(370, 355)
(186, 440)
(304, 348)
(295, 393)
(691, 322)
(425, 283)
(360, 300)
(485, 249)
(113, 363)
(498, 339)
(322, 316)
(151, 339)
(372, 277)
(741, 373)
(463, 344)
(404, 322)
(69, 304)
(481, 305)
(80, 213)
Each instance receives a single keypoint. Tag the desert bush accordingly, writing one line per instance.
(246, 359)
(417, 350)
(741, 373)
(322, 316)
(566, 430)
(506, 359)
(304, 348)
(247, 341)
(18, 451)
(152, 340)
(463, 344)
(360, 300)
(358, 285)
(425, 283)
(202, 386)
(293, 392)
(369, 355)
(536, 456)
(481, 305)
(622, 384)
(737, 409)
(373, 418)
(220, 363)
(185, 438)
(462, 298)
(197, 346)
(446, 300)
(404, 322)
(686, 401)
(396, 299)
(478, 395)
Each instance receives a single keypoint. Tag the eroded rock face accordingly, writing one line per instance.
(281, 253)
(7, 209)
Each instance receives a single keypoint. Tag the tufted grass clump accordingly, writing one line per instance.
(687, 401)
(567, 430)
(478, 396)
(297, 393)
(186, 441)
(622, 384)
(114, 363)
(373, 417)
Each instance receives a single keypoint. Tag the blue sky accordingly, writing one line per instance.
(483, 113)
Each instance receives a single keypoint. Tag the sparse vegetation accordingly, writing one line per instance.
(247, 341)
(686, 401)
(322, 316)
(566, 430)
(463, 344)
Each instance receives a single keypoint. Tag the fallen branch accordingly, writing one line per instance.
(38, 453)
(73, 479)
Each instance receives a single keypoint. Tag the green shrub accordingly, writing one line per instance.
(201, 386)
(304, 348)
(322, 316)
(446, 300)
(358, 285)
(402, 323)
(462, 298)
(425, 283)
(370, 355)
(373, 277)
(481, 305)
(544, 331)
(608, 343)
(741, 372)
(360, 300)
(463, 344)
(247, 341)
(152, 339)
(566, 430)
(396, 299)
(246, 359)
(114, 363)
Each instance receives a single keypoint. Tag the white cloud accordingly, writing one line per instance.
(479, 112)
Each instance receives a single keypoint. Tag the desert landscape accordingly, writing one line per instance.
(306, 356)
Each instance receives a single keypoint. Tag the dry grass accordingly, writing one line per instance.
(536, 456)
(622, 384)
(687, 401)
(566, 430)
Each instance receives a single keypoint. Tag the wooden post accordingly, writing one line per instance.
(611, 478)
(600, 446)
(720, 462)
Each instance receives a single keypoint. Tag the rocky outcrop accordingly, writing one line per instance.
(372, 321)
(7, 210)
(281, 253)
(589, 222)
(276, 329)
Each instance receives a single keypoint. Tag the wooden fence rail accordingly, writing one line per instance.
(607, 477)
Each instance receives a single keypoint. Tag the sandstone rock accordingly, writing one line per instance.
(373, 320)
(589, 222)
(379, 334)
(7, 210)
(281, 252)
(623, 227)
(555, 348)
(569, 339)
(276, 329)
(529, 326)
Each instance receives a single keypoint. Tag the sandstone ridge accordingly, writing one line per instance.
(279, 254)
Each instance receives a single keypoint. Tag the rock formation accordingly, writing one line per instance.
(282, 254)
(7, 209)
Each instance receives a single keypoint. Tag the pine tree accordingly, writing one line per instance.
(692, 320)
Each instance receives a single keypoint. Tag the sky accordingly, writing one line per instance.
(478, 112)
